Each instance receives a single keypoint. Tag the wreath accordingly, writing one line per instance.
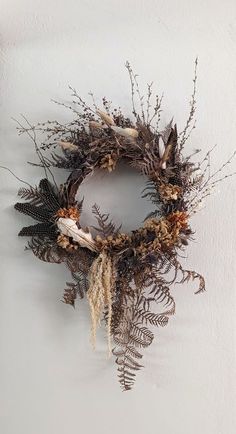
(126, 277)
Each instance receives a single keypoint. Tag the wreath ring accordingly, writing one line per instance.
(126, 278)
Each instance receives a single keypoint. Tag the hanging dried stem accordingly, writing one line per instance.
(100, 294)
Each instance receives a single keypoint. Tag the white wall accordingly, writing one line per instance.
(51, 381)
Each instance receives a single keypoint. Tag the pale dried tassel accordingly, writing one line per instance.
(95, 125)
(100, 294)
(68, 146)
(105, 117)
(95, 295)
(108, 287)
(126, 132)
(68, 227)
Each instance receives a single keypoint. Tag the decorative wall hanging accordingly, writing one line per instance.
(126, 277)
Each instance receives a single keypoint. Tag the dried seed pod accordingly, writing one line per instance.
(105, 117)
(68, 146)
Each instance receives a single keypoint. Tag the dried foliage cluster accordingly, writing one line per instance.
(126, 278)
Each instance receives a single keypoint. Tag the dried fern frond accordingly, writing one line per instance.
(105, 226)
(31, 194)
(46, 250)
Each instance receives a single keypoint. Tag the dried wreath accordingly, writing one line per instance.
(125, 277)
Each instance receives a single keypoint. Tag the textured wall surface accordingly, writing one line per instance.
(51, 381)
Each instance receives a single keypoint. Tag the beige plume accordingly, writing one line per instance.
(95, 125)
(68, 145)
(105, 117)
(126, 132)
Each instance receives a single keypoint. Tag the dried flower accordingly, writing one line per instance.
(179, 218)
(72, 213)
(64, 242)
(116, 242)
(170, 192)
(109, 162)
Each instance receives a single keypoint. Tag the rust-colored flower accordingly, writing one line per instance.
(71, 212)
(180, 218)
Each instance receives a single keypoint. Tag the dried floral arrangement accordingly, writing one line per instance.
(126, 278)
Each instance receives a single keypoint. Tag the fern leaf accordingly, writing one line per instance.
(193, 275)
(155, 319)
(161, 294)
(105, 226)
(70, 294)
(45, 250)
(31, 194)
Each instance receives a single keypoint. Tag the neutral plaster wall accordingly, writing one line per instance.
(50, 379)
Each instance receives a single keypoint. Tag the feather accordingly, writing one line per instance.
(38, 213)
(42, 229)
(49, 197)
